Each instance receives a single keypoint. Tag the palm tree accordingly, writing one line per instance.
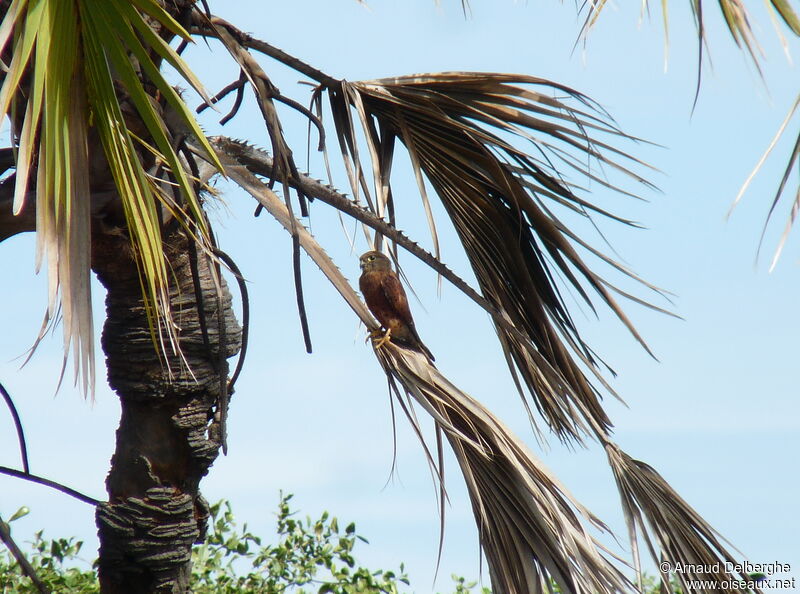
(111, 170)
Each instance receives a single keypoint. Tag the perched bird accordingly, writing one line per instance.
(387, 301)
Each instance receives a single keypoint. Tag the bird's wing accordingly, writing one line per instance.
(396, 297)
(397, 301)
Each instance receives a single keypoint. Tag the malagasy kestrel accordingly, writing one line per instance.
(387, 301)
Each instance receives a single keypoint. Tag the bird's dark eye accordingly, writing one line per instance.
(371, 258)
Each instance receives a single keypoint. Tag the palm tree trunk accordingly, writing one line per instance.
(167, 437)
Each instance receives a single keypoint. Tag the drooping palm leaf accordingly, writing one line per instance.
(532, 530)
(496, 217)
(54, 132)
(654, 511)
(78, 57)
(673, 532)
(510, 484)
(457, 127)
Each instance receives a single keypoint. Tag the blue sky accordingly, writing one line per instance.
(717, 415)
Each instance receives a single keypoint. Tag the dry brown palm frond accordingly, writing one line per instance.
(264, 91)
(259, 162)
(267, 198)
(673, 532)
(458, 129)
(532, 530)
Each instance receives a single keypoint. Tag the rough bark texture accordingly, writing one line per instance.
(167, 437)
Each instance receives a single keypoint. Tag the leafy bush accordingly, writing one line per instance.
(309, 556)
(57, 563)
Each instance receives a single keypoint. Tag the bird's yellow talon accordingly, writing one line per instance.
(374, 335)
(380, 338)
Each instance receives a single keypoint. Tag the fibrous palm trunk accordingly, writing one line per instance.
(167, 437)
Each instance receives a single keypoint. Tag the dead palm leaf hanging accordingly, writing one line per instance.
(500, 201)
(457, 128)
(532, 531)
(672, 530)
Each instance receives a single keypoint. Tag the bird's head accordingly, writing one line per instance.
(374, 261)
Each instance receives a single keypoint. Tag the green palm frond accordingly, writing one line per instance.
(53, 135)
(71, 68)
(788, 14)
(457, 128)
